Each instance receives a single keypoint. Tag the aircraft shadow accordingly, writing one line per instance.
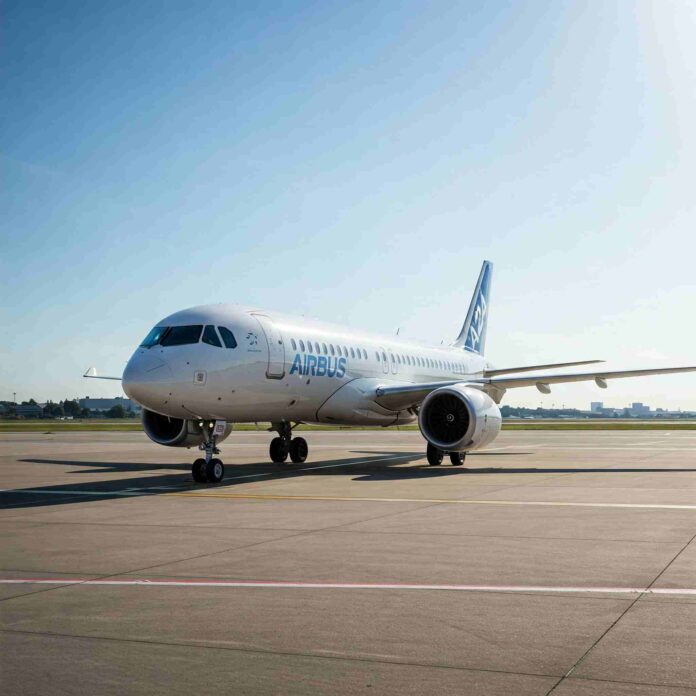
(166, 483)
(377, 467)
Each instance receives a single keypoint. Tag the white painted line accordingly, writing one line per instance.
(200, 493)
(41, 491)
(637, 448)
(145, 582)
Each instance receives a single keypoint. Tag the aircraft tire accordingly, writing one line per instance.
(214, 471)
(299, 449)
(434, 455)
(198, 471)
(457, 458)
(279, 450)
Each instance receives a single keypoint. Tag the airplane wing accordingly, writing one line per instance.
(92, 373)
(599, 377)
(401, 396)
(530, 368)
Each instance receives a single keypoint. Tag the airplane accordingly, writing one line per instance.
(201, 370)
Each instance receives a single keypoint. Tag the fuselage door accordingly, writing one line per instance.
(276, 347)
(384, 359)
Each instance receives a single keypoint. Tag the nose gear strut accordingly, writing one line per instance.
(210, 469)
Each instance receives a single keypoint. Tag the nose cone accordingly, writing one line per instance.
(147, 378)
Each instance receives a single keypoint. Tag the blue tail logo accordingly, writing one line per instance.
(472, 337)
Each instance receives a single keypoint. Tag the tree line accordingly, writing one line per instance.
(69, 408)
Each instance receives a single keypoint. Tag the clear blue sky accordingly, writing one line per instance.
(352, 161)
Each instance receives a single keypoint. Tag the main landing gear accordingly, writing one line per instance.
(436, 455)
(210, 469)
(285, 444)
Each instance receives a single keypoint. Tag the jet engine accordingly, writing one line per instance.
(175, 432)
(459, 418)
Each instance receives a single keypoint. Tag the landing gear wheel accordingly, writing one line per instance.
(279, 450)
(214, 471)
(299, 449)
(198, 471)
(434, 455)
(457, 458)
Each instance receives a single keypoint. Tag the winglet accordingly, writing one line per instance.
(472, 337)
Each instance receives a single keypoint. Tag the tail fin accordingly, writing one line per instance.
(472, 337)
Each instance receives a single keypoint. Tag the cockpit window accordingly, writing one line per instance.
(210, 336)
(227, 337)
(153, 338)
(182, 335)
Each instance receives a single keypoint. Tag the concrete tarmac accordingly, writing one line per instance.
(556, 562)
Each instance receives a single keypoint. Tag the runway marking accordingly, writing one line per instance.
(263, 496)
(145, 582)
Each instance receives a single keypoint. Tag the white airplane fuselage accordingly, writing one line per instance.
(284, 368)
(203, 369)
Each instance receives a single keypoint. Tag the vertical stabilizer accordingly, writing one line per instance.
(472, 337)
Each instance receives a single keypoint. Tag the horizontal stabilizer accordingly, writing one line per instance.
(92, 373)
(531, 368)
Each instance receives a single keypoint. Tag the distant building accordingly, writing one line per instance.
(103, 405)
(596, 406)
(639, 409)
(29, 411)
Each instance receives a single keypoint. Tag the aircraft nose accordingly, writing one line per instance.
(146, 378)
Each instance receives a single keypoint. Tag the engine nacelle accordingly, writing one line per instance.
(459, 418)
(175, 432)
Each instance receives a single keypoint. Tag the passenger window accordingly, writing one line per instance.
(302, 345)
(309, 346)
(377, 354)
(323, 348)
(352, 352)
(227, 337)
(182, 335)
(331, 348)
(210, 336)
(293, 344)
(364, 353)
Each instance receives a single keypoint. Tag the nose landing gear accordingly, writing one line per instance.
(285, 444)
(210, 469)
